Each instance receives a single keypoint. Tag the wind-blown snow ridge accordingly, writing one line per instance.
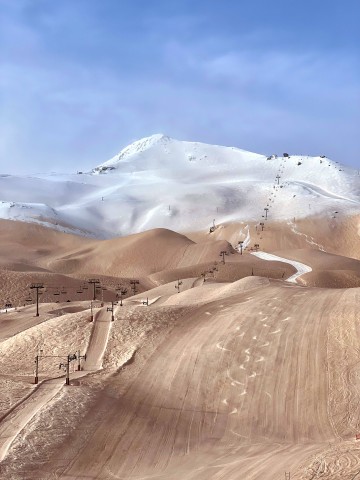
(137, 147)
(159, 181)
(161, 151)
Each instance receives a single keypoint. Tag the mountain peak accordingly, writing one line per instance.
(147, 142)
(137, 147)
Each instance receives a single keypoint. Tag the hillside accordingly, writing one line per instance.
(160, 182)
(216, 360)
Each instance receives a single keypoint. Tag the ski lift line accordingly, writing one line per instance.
(54, 287)
(53, 356)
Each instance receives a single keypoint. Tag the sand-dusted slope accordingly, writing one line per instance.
(329, 270)
(28, 247)
(154, 257)
(333, 279)
(140, 254)
(25, 245)
(160, 254)
(210, 291)
(339, 235)
(235, 268)
(246, 387)
(132, 255)
(37, 254)
(21, 319)
(196, 291)
(162, 292)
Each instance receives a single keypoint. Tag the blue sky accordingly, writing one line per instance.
(81, 79)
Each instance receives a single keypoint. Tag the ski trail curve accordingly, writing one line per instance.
(300, 267)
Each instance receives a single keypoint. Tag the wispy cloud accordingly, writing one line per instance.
(80, 101)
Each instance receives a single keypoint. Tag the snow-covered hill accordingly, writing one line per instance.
(162, 182)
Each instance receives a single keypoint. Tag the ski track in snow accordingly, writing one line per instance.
(324, 193)
(307, 237)
(222, 348)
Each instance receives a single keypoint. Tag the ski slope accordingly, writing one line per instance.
(162, 182)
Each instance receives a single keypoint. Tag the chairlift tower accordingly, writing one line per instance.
(94, 282)
(91, 311)
(66, 367)
(133, 284)
(37, 287)
(123, 291)
(278, 179)
(266, 212)
(111, 309)
(222, 254)
(177, 286)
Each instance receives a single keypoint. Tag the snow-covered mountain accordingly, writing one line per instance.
(162, 182)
